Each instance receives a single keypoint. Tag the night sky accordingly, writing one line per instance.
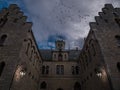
(60, 19)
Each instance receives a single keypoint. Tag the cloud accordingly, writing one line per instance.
(68, 18)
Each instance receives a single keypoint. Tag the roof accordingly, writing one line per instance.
(74, 54)
(47, 54)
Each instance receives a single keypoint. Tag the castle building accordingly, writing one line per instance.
(20, 60)
(60, 70)
(100, 57)
(25, 67)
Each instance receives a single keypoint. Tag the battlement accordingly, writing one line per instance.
(106, 17)
(13, 14)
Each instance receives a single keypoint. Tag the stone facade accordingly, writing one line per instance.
(60, 71)
(23, 66)
(100, 56)
(20, 60)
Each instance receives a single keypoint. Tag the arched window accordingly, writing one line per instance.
(65, 56)
(117, 20)
(73, 71)
(118, 66)
(3, 21)
(47, 69)
(2, 39)
(77, 86)
(43, 69)
(2, 65)
(77, 70)
(43, 85)
(60, 69)
(118, 40)
(60, 57)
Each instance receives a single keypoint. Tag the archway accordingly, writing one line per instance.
(59, 89)
(43, 85)
(77, 86)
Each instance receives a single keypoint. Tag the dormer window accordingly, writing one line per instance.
(65, 56)
(60, 57)
(54, 56)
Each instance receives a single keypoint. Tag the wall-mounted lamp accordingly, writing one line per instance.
(98, 72)
(101, 73)
(22, 73)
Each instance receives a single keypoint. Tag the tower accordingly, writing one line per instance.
(60, 45)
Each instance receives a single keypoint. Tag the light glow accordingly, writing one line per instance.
(20, 72)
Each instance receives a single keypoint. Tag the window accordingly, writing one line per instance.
(117, 21)
(54, 56)
(2, 65)
(43, 85)
(118, 40)
(45, 69)
(75, 70)
(118, 66)
(2, 39)
(2, 21)
(65, 56)
(60, 57)
(60, 69)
